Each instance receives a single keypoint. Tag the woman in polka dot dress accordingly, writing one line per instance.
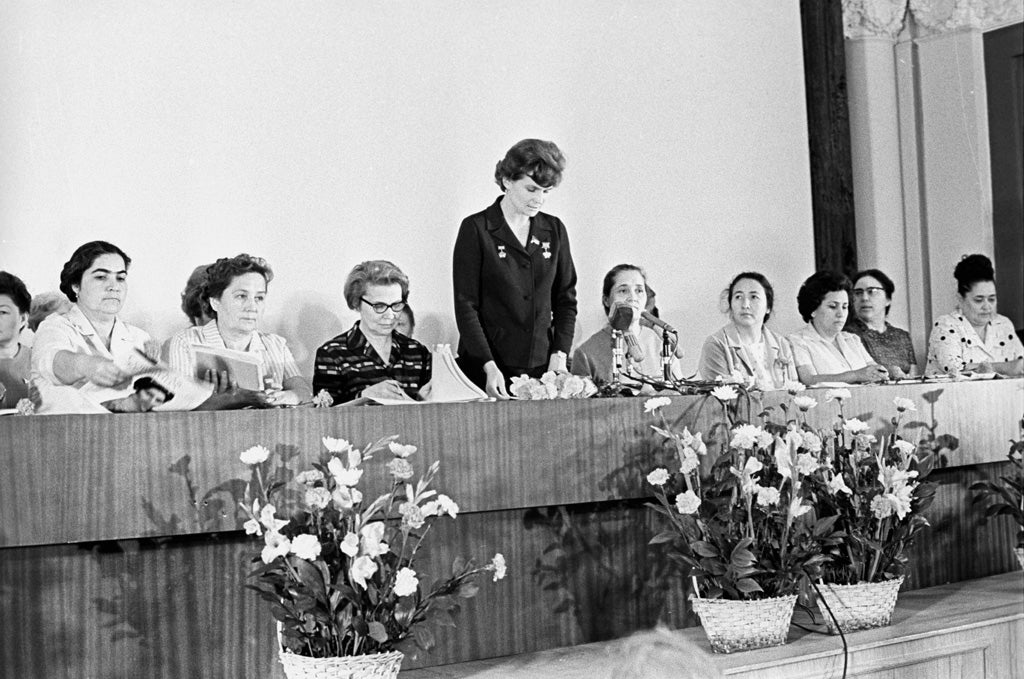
(974, 338)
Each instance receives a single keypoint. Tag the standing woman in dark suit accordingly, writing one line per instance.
(515, 282)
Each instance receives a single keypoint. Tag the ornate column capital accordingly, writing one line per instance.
(935, 17)
(873, 18)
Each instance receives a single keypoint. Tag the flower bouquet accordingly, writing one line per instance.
(339, 573)
(1006, 496)
(877, 494)
(552, 385)
(745, 532)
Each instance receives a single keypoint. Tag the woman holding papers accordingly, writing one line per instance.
(513, 274)
(89, 347)
(372, 359)
(234, 295)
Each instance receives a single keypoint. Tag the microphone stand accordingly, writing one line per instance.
(618, 356)
(667, 350)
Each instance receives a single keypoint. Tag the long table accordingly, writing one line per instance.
(120, 548)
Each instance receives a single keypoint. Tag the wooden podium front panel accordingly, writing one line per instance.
(108, 564)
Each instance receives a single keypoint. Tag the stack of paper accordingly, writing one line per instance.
(448, 384)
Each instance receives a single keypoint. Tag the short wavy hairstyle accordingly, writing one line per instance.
(609, 281)
(886, 282)
(760, 279)
(81, 259)
(226, 269)
(192, 296)
(973, 269)
(14, 287)
(542, 161)
(814, 289)
(373, 272)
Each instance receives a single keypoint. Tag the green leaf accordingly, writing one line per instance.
(705, 549)
(468, 590)
(748, 586)
(378, 633)
(424, 637)
(311, 578)
(742, 558)
(667, 536)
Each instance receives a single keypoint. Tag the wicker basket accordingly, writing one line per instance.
(375, 666)
(861, 606)
(372, 666)
(743, 625)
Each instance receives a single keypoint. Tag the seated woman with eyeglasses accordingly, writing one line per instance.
(372, 359)
(888, 345)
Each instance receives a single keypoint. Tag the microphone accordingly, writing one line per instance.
(652, 321)
(633, 348)
(622, 318)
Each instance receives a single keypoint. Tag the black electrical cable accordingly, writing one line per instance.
(846, 649)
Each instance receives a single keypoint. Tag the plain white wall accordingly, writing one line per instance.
(318, 135)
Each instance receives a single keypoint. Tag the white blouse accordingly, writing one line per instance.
(72, 331)
(824, 357)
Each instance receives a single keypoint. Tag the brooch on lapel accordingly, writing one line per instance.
(534, 241)
(501, 252)
(546, 247)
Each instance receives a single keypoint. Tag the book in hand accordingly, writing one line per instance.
(245, 367)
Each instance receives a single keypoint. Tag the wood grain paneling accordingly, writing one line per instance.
(177, 605)
(577, 574)
(115, 480)
(151, 579)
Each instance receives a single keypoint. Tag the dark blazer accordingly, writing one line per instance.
(513, 305)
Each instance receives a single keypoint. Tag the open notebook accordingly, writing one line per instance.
(448, 384)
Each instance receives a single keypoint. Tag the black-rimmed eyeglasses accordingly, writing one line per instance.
(381, 307)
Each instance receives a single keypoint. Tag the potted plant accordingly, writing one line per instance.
(745, 532)
(340, 573)
(877, 493)
(1006, 496)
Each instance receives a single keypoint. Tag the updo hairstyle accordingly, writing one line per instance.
(973, 269)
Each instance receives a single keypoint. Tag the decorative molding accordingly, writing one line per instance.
(873, 18)
(937, 17)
